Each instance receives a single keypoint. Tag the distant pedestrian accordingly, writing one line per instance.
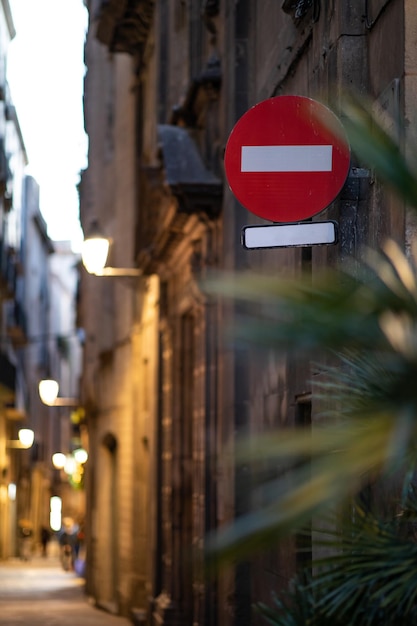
(25, 540)
(45, 536)
(67, 541)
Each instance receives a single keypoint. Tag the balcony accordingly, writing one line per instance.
(7, 381)
(180, 189)
(16, 324)
(6, 179)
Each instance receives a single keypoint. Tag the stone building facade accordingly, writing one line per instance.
(35, 286)
(13, 160)
(165, 393)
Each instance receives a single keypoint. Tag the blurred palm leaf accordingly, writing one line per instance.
(379, 150)
(358, 585)
(373, 426)
(341, 309)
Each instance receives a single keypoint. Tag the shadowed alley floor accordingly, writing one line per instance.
(40, 593)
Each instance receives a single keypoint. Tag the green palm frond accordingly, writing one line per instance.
(321, 469)
(373, 578)
(369, 579)
(341, 309)
(296, 607)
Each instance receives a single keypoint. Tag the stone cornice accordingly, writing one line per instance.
(297, 8)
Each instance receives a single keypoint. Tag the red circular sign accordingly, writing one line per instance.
(287, 158)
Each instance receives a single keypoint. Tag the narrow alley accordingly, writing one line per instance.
(40, 593)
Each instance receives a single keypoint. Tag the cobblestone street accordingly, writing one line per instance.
(40, 593)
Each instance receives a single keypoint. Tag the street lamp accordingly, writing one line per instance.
(26, 438)
(94, 252)
(63, 461)
(80, 455)
(48, 392)
(59, 460)
(72, 464)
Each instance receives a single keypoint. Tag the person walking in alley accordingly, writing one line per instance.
(67, 541)
(45, 536)
(25, 539)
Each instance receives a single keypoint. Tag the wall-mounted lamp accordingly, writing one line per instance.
(26, 438)
(94, 252)
(48, 392)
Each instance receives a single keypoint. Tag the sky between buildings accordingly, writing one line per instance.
(45, 74)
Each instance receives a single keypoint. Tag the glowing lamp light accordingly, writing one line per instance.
(55, 516)
(11, 491)
(94, 252)
(70, 465)
(77, 476)
(26, 437)
(58, 460)
(56, 503)
(80, 455)
(48, 391)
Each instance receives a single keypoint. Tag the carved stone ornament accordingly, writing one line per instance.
(209, 80)
(124, 25)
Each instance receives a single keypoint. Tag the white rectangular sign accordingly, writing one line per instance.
(289, 235)
(286, 158)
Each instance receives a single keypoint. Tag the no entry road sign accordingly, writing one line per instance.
(287, 158)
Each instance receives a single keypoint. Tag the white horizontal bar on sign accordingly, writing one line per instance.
(289, 235)
(286, 158)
